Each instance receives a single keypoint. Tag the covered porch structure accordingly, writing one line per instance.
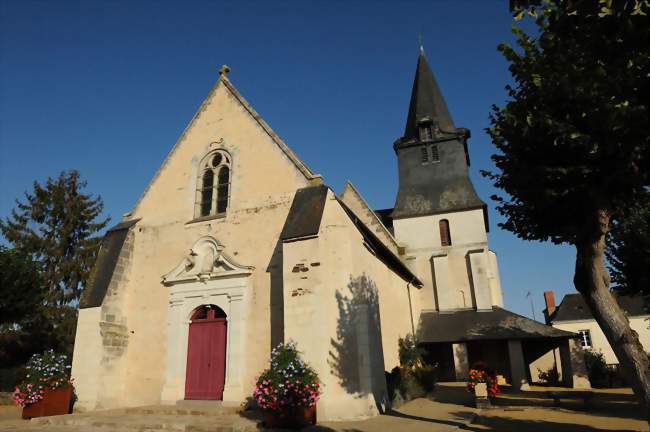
(505, 341)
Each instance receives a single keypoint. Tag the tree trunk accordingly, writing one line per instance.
(592, 281)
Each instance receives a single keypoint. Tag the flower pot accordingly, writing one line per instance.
(54, 402)
(290, 417)
(481, 396)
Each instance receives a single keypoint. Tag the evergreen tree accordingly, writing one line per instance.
(56, 226)
(573, 143)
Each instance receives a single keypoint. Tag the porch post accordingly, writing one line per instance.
(574, 371)
(518, 378)
(461, 361)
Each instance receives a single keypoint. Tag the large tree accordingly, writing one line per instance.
(57, 226)
(572, 139)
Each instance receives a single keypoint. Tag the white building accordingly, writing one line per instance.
(573, 315)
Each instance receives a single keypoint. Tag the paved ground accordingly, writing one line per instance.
(451, 409)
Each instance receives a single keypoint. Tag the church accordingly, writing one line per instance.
(236, 246)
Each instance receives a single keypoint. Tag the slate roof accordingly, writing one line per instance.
(426, 101)
(573, 307)
(104, 267)
(306, 213)
(469, 324)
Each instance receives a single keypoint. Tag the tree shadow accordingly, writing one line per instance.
(356, 355)
(457, 395)
(494, 423)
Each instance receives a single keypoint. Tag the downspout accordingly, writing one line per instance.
(408, 290)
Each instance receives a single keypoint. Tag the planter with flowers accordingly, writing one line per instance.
(288, 390)
(483, 382)
(47, 388)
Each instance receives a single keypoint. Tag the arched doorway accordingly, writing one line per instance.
(206, 354)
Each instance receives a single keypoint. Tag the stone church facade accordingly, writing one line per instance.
(236, 246)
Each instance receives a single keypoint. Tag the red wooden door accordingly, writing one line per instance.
(206, 354)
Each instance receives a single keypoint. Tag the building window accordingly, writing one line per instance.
(445, 234)
(213, 184)
(585, 338)
(425, 132)
(435, 156)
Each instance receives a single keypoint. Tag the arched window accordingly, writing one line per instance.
(212, 196)
(445, 234)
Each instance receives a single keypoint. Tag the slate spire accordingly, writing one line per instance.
(427, 103)
(432, 156)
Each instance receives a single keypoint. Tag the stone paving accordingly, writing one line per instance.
(450, 409)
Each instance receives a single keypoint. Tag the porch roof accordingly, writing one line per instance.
(470, 324)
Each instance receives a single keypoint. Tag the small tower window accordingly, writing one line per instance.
(445, 234)
(213, 185)
(425, 154)
(435, 157)
(425, 132)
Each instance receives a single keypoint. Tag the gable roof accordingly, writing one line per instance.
(306, 214)
(223, 80)
(573, 307)
(469, 324)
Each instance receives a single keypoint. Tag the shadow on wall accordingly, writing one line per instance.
(356, 356)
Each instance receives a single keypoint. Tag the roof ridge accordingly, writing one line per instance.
(304, 169)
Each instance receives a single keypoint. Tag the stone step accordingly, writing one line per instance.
(130, 422)
(184, 409)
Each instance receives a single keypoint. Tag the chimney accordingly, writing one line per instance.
(549, 299)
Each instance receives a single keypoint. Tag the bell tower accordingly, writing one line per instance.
(432, 155)
(438, 219)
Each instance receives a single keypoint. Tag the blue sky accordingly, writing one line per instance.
(106, 87)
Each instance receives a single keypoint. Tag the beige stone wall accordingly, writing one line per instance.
(102, 339)
(337, 296)
(463, 275)
(264, 180)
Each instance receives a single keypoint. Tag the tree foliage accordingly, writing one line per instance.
(56, 226)
(573, 136)
(628, 249)
(572, 139)
(20, 286)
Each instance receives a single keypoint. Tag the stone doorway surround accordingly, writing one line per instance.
(205, 276)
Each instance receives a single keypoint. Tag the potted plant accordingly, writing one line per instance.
(47, 388)
(288, 390)
(483, 383)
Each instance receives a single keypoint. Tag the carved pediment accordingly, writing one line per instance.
(205, 261)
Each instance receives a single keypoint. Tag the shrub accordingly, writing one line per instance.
(551, 376)
(44, 371)
(597, 369)
(11, 377)
(289, 382)
(413, 378)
